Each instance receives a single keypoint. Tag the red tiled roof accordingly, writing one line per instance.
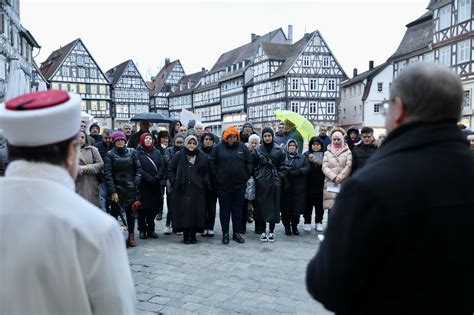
(53, 62)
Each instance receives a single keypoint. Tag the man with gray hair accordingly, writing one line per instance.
(400, 236)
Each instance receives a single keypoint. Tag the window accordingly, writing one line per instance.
(295, 107)
(102, 89)
(2, 23)
(331, 108)
(445, 56)
(312, 107)
(80, 60)
(82, 72)
(376, 108)
(93, 73)
(464, 10)
(313, 84)
(82, 88)
(94, 105)
(305, 61)
(93, 89)
(463, 51)
(331, 85)
(444, 17)
(428, 57)
(379, 86)
(73, 88)
(65, 71)
(103, 105)
(295, 84)
(326, 62)
(467, 99)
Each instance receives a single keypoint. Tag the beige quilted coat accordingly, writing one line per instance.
(334, 165)
(86, 183)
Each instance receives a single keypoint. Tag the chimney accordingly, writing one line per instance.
(153, 78)
(253, 37)
(354, 73)
(203, 69)
(167, 61)
(371, 64)
(290, 34)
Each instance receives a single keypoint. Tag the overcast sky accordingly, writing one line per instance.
(198, 32)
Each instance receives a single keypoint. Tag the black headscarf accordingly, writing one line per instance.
(171, 127)
(268, 146)
(312, 141)
(291, 155)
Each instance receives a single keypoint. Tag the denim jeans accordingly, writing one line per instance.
(103, 196)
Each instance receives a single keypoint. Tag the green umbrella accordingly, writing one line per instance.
(303, 125)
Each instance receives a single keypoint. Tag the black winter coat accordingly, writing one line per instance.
(134, 139)
(231, 167)
(104, 148)
(268, 173)
(189, 202)
(122, 174)
(314, 180)
(293, 195)
(400, 236)
(360, 154)
(151, 195)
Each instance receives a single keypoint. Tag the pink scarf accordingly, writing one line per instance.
(337, 149)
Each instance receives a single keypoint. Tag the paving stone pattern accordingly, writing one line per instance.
(211, 278)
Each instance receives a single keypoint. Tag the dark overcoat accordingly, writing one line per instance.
(189, 201)
(314, 182)
(122, 172)
(293, 194)
(400, 236)
(267, 174)
(149, 189)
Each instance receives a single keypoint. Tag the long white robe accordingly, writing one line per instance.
(59, 254)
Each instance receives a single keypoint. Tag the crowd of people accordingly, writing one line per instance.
(263, 178)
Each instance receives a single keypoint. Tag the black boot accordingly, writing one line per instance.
(143, 235)
(287, 230)
(193, 237)
(294, 227)
(186, 239)
(238, 238)
(225, 238)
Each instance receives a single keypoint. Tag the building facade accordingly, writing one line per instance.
(362, 98)
(72, 68)
(181, 96)
(130, 95)
(444, 34)
(160, 86)
(303, 77)
(16, 46)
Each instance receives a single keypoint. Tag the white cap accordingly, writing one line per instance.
(41, 118)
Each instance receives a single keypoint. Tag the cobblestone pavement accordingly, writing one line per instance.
(212, 278)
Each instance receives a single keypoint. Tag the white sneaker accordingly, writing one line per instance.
(205, 233)
(307, 227)
(271, 237)
(319, 227)
(263, 237)
(167, 230)
(321, 237)
(210, 233)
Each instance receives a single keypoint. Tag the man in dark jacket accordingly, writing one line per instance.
(323, 135)
(280, 134)
(399, 240)
(134, 140)
(363, 150)
(104, 146)
(247, 131)
(292, 133)
(94, 130)
(231, 167)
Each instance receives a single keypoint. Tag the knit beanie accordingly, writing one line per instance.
(118, 135)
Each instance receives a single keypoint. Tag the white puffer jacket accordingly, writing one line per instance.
(333, 165)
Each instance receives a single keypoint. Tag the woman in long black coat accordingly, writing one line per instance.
(293, 188)
(267, 160)
(188, 173)
(314, 184)
(153, 168)
(122, 172)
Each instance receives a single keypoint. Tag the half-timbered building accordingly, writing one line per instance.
(38, 81)
(130, 95)
(303, 77)
(161, 85)
(362, 97)
(72, 68)
(181, 96)
(16, 46)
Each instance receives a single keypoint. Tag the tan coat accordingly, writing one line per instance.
(334, 165)
(86, 182)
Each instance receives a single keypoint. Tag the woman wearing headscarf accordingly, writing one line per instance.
(206, 148)
(337, 165)
(267, 159)
(314, 184)
(151, 197)
(161, 143)
(170, 152)
(123, 174)
(90, 165)
(188, 173)
(293, 188)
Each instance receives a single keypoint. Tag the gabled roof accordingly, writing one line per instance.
(195, 77)
(161, 77)
(277, 51)
(35, 66)
(418, 36)
(293, 54)
(245, 52)
(116, 72)
(367, 74)
(435, 4)
(54, 61)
